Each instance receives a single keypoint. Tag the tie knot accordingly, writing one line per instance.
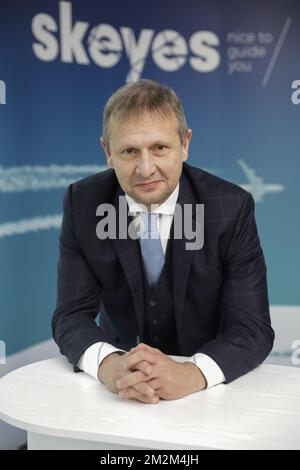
(149, 220)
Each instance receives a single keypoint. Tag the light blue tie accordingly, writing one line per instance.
(151, 248)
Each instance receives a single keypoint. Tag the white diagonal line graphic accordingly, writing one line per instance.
(276, 52)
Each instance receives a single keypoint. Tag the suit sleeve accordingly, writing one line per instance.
(78, 294)
(245, 335)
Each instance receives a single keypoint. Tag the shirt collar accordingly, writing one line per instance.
(167, 207)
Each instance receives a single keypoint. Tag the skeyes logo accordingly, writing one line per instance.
(104, 45)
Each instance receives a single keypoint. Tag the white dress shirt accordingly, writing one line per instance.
(90, 361)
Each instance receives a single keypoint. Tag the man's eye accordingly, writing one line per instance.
(160, 147)
(129, 151)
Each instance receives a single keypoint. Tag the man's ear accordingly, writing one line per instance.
(185, 144)
(107, 154)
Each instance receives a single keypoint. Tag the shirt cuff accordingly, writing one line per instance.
(91, 359)
(209, 368)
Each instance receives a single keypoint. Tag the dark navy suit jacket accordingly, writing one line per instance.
(220, 293)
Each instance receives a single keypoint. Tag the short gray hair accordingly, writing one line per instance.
(140, 97)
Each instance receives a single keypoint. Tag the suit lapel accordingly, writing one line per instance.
(182, 258)
(127, 251)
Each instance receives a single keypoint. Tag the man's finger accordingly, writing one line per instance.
(142, 355)
(144, 367)
(141, 346)
(144, 347)
(145, 399)
(132, 393)
(143, 388)
(131, 379)
(155, 384)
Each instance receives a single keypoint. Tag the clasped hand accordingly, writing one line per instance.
(148, 375)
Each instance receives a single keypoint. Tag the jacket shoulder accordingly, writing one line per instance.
(101, 186)
(98, 182)
(213, 186)
(87, 193)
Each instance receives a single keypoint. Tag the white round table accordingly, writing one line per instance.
(61, 409)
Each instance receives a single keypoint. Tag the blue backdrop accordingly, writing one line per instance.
(235, 66)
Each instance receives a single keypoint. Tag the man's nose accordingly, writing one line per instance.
(145, 166)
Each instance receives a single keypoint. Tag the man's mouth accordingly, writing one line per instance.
(151, 184)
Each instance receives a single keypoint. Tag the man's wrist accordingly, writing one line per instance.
(110, 357)
(198, 380)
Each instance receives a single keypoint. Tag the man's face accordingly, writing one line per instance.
(147, 156)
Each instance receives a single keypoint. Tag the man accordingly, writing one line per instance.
(156, 297)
